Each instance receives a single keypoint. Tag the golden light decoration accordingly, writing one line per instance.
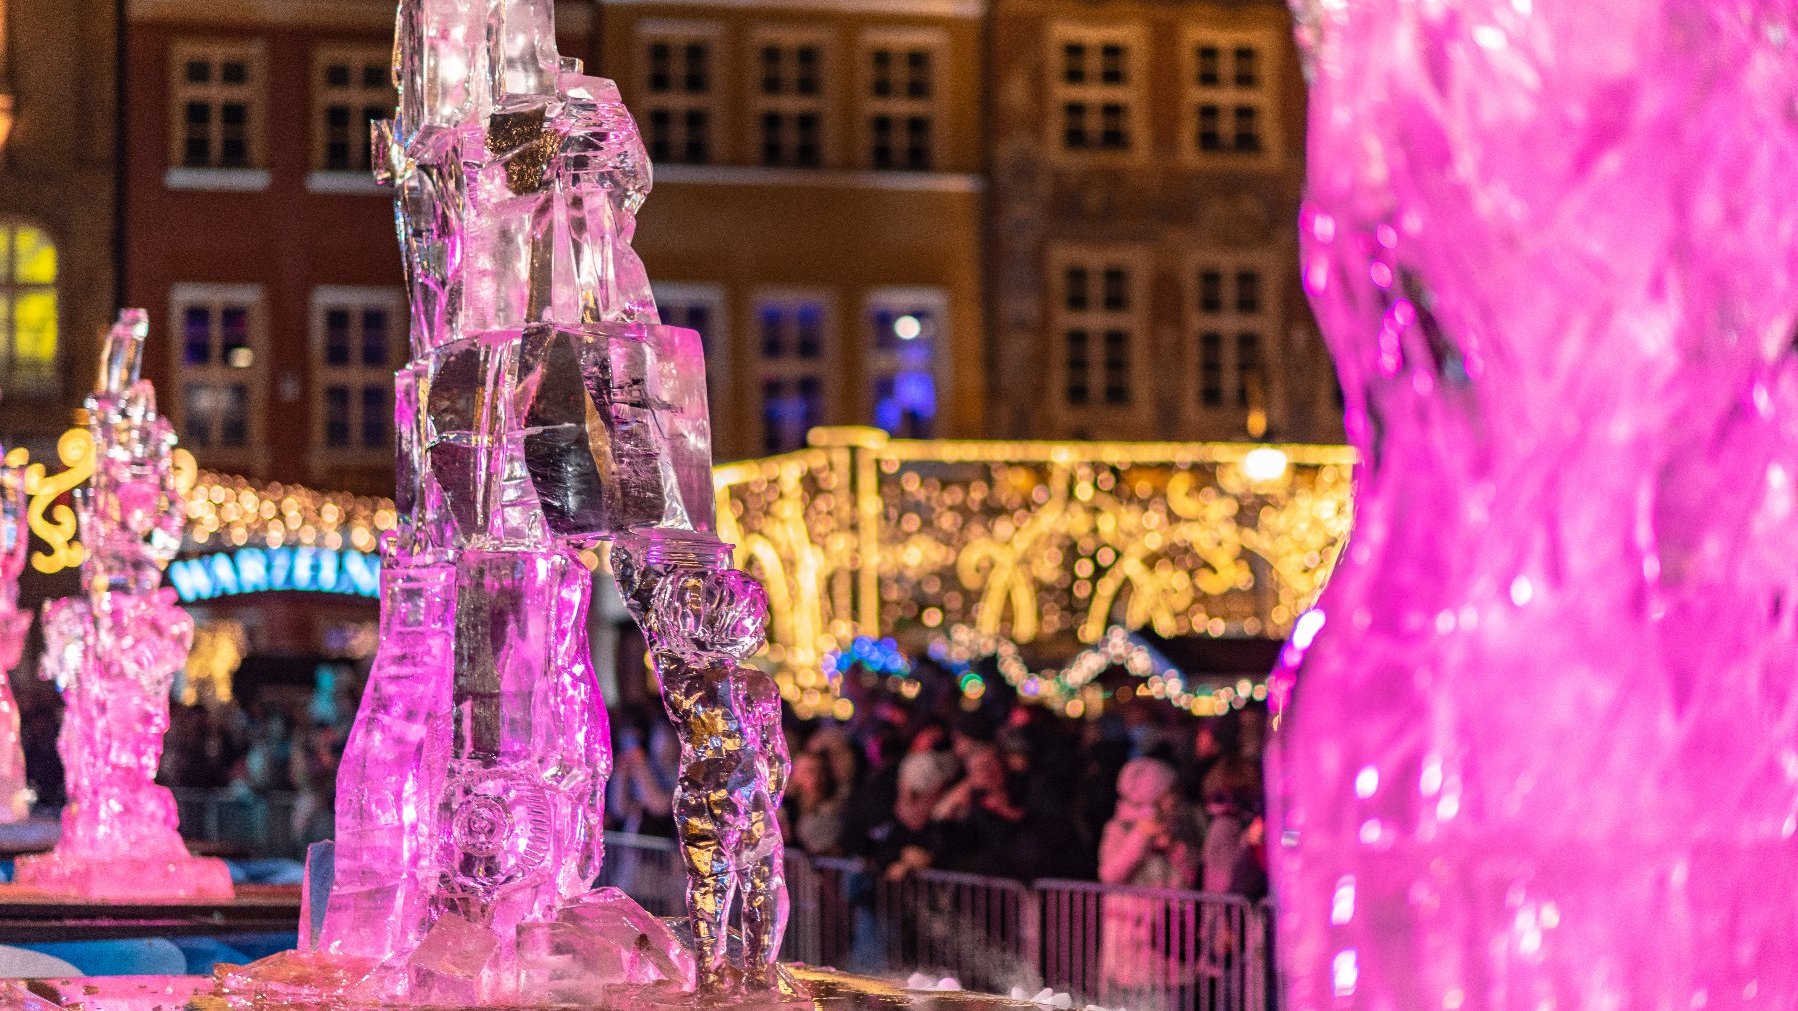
(862, 535)
(218, 650)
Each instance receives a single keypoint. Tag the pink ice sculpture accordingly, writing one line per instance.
(115, 651)
(1542, 749)
(545, 411)
(15, 795)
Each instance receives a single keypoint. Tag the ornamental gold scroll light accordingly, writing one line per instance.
(875, 537)
(223, 510)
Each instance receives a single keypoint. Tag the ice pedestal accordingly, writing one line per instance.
(1543, 745)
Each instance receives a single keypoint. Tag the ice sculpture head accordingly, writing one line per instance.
(711, 611)
(131, 512)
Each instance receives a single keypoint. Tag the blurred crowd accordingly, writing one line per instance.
(1140, 796)
(1143, 795)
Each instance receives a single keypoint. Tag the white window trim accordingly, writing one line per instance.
(253, 453)
(715, 100)
(215, 180)
(255, 90)
(1269, 325)
(1134, 91)
(824, 103)
(933, 40)
(324, 297)
(1096, 257)
(824, 367)
(1268, 53)
(879, 363)
(322, 94)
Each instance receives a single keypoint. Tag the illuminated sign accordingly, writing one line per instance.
(262, 570)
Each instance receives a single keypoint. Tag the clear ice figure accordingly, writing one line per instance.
(16, 795)
(704, 621)
(114, 652)
(545, 410)
(1542, 749)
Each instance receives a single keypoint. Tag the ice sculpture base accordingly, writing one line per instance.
(602, 950)
(122, 878)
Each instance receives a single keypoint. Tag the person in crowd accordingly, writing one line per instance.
(833, 746)
(1232, 798)
(637, 798)
(1149, 843)
(981, 817)
(909, 839)
(812, 813)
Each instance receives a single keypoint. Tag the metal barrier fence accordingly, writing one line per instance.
(1144, 949)
(257, 825)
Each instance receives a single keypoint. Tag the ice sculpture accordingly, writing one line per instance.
(114, 653)
(15, 795)
(1543, 745)
(545, 410)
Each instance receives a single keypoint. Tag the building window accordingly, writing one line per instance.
(1095, 82)
(1234, 322)
(28, 308)
(1099, 311)
(901, 97)
(357, 342)
(1229, 89)
(216, 104)
(790, 74)
(679, 88)
(793, 342)
(353, 89)
(220, 355)
(905, 342)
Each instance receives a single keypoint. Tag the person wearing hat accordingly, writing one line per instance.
(1151, 841)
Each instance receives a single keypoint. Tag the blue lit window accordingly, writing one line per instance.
(903, 364)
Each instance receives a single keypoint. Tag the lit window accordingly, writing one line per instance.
(678, 88)
(1095, 86)
(1099, 310)
(794, 337)
(216, 104)
(901, 97)
(28, 309)
(353, 88)
(220, 356)
(905, 352)
(358, 339)
(789, 72)
(1234, 323)
(1229, 89)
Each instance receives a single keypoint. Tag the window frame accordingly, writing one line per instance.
(714, 102)
(791, 37)
(793, 367)
(1268, 324)
(358, 94)
(252, 297)
(49, 383)
(356, 376)
(878, 362)
(1228, 95)
(1134, 319)
(254, 92)
(1134, 92)
(933, 107)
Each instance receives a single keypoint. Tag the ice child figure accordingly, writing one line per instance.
(705, 620)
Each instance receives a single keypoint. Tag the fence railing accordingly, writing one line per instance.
(260, 825)
(1144, 949)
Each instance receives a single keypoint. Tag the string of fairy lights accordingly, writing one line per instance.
(967, 546)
